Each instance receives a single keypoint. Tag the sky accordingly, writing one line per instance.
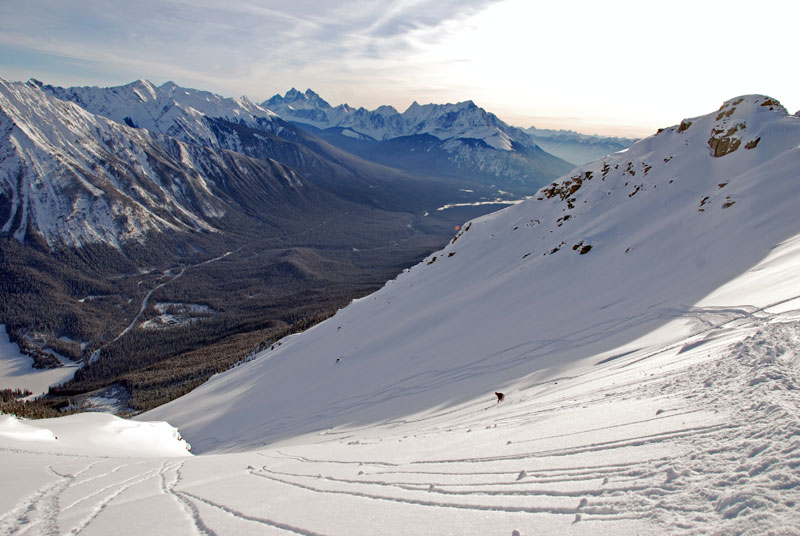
(616, 67)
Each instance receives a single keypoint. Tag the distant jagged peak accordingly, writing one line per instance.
(144, 89)
(386, 110)
(453, 122)
(71, 196)
(450, 106)
(297, 100)
(348, 109)
(292, 94)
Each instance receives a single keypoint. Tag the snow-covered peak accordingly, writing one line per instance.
(80, 178)
(298, 100)
(736, 124)
(447, 122)
(168, 109)
(386, 110)
(143, 89)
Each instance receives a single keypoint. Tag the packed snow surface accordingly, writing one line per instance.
(646, 346)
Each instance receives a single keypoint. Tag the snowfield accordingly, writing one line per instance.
(642, 318)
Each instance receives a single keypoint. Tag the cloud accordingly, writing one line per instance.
(603, 61)
(235, 46)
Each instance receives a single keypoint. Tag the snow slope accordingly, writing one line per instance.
(651, 381)
(512, 294)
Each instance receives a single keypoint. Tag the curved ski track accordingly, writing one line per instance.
(714, 448)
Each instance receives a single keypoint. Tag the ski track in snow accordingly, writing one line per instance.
(708, 461)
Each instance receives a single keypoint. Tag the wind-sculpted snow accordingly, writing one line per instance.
(650, 382)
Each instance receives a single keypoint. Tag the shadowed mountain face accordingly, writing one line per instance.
(447, 140)
(125, 211)
(208, 120)
(77, 179)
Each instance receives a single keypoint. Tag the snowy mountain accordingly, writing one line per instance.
(640, 316)
(468, 138)
(97, 216)
(463, 120)
(168, 109)
(628, 242)
(78, 178)
(209, 120)
(575, 147)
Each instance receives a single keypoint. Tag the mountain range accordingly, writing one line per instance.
(207, 120)
(617, 353)
(120, 206)
(78, 178)
(452, 140)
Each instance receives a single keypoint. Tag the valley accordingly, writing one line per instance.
(616, 353)
(120, 200)
(497, 267)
